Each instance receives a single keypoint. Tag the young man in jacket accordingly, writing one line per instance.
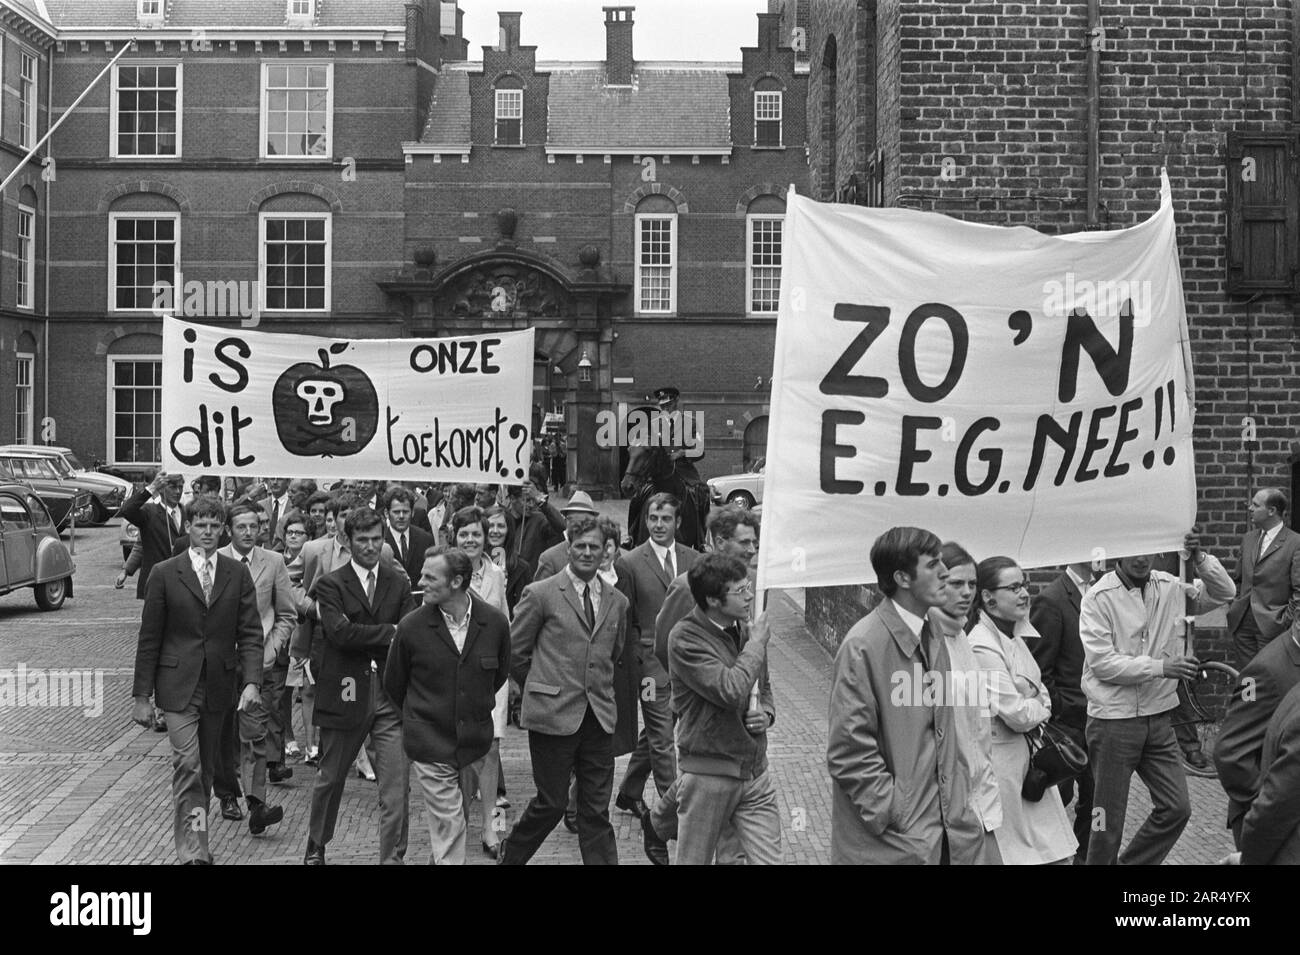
(713, 663)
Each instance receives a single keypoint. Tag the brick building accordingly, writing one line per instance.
(343, 168)
(1035, 114)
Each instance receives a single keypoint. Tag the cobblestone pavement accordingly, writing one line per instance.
(82, 784)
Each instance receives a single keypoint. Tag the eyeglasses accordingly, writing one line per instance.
(742, 590)
(1017, 587)
(297, 532)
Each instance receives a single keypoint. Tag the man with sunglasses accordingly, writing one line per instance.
(1131, 625)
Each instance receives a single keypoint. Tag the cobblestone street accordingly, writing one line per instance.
(83, 787)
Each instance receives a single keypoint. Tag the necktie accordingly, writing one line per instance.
(206, 582)
(668, 564)
(370, 589)
(401, 548)
(275, 517)
(588, 608)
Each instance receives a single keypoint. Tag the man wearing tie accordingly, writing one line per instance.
(652, 567)
(407, 542)
(360, 606)
(260, 732)
(160, 524)
(199, 635)
(1269, 578)
(567, 632)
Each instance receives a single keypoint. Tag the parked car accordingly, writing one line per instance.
(127, 537)
(33, 555)
(743, 489)
(63, 501)
(107, 492)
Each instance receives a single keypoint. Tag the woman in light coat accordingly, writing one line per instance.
(1032, 833)
(974, 736)
(468, 531)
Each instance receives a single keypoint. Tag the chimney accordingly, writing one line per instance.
(618, 45)
(509, 35)
(769, 32)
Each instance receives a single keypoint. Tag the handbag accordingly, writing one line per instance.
(1053, 758)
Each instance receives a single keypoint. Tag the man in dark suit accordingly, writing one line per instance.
(360, 605)
(1237, 750)
(1270, 834)
(538, 526)
(568, 630)
(160, 524)
(447, 662)
(1268, 585)
(407, 541)
(1059, 652)
(199, 631)
(652, 568)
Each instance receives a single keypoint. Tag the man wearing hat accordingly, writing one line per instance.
(667, 400)
(554, 558)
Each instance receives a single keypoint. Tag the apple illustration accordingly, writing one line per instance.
(325, 411)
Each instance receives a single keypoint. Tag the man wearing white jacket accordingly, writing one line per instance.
(1131, 626)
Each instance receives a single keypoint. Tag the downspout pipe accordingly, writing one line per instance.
(1093, 173)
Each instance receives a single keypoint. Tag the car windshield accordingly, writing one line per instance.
(59, 465)
(73, 461)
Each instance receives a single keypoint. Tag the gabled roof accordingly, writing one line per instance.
(448, 122)
(34, 11)
(72, 15)
(667, 107)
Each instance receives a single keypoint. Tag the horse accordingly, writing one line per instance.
(651, 470)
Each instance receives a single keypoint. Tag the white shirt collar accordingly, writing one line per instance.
(661, 551)
(1268, 538)
(362, 573)
(911, 620)
(1078, 581)
(198, 559)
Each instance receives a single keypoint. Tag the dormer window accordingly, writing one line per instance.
(300, 10)
(149, 10)
(767, 118)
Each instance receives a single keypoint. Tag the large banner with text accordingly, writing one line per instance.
(236, 402)
(1022, 394)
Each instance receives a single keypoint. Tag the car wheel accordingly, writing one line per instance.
(742, 498)
(50, 596)
(99, 513)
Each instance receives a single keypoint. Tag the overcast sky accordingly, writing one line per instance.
(663, 29)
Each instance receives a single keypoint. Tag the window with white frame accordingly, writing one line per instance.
(135, 409)
(656, 264)
(510, 117)
(149, 9)
(300, 9)
(767, 118)
(763, 263)
(24, 408)
(144, 250)
(26, 99)
(294, 262)
(26, 257)
(146, 115)
(297, 110)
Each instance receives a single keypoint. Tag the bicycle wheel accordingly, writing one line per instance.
(1210, 694)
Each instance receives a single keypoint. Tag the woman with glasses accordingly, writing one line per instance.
(972, 724)
(1032, 833)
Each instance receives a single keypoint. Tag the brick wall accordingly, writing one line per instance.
(1001, 89)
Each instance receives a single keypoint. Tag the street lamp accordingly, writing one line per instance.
(584, 367)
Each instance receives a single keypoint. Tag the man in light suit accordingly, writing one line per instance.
(567, 632)
(260, 732)
(360, 606)
(652, 567)
(900, 790)
(1268, 591)
(1238, 748)
(199, 632)
(554, 559)
(407, 542)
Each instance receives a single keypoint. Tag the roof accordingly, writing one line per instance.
(448, 122)
(216, 14)
(669, 106)
(664, 108)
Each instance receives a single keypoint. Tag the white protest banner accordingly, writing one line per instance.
(1023, 394)
(236, 401)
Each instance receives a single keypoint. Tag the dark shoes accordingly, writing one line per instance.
(315, 854)
(570, 821)
(656, 849)
(1198, 764)
(635, 806)
(493, 850)
(262, 815)
(159, 724)
(278, 772)
(230, 809)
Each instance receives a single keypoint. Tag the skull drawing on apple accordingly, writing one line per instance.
(325, 411)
